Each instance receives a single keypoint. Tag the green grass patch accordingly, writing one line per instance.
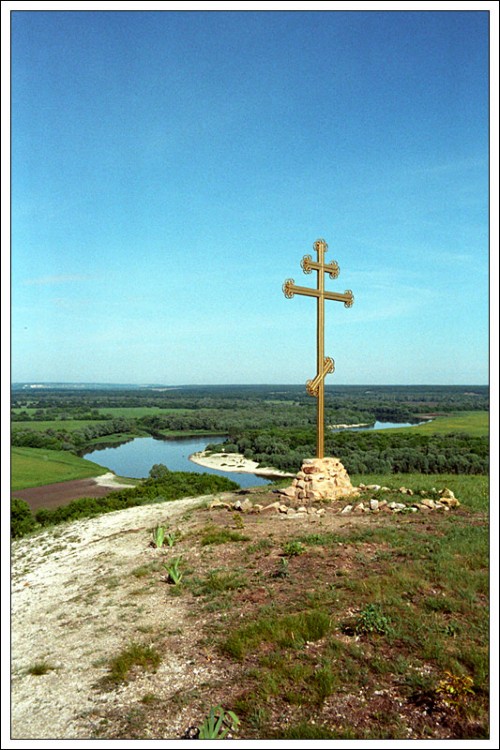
(304, 730)
(472, 422)
(221, 535)
(34, 467)
(218, 582)
(135, 656)
(401, 609)
(279, 630)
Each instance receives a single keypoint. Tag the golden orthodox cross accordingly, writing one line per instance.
(316, 387)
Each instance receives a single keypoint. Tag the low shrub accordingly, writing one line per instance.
(21, 518)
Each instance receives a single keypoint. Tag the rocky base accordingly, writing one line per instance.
(319, 479)
(443, 500)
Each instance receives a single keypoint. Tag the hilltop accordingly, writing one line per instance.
(306, 626)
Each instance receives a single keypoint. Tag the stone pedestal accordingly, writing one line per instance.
(320, 479)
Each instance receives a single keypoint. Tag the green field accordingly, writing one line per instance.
(34, 467)
(136, 412)
(67, 425)
(473, 422)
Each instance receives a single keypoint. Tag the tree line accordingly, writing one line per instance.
(414, 400)
(365, 452)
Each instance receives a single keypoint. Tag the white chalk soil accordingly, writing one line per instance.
(76, 602)
(110, 480)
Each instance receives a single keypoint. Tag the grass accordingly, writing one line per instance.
(40, 668)
(221, 535)
(409, 622)
(34, 467)
(217, 582)
(134, 656)
(473, 422)
(277, 630)
(136, 412)
(472, 491)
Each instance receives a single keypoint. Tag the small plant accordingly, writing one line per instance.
(39, 668)
(149, 698)
(173, 572)
(294, 548)
(452, 629)
(218, 724)
(238, 522)
(454, 689)
(283, 569)
(171, 538)
(372, 620)
(158, 537)
(262, 545)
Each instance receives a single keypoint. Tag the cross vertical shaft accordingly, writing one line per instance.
(316, 387)
(320, 333)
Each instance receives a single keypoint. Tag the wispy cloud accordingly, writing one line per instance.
(59, 279)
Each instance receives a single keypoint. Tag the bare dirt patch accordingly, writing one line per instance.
(61, 493)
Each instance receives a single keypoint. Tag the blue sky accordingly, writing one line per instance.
(170, 170)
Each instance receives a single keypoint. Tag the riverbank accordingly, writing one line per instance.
(235, 463)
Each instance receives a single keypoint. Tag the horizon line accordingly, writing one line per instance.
(35, 383)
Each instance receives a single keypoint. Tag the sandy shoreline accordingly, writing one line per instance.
(109, 480)
(235, 462)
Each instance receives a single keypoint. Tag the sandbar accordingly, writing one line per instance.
(235, 462)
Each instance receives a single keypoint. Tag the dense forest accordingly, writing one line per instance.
(274, 425)
(365, 452)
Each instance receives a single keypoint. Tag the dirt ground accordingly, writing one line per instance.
(70, 610)
(60, 493)
(54, 495)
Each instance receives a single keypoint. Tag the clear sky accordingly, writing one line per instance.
(170, 170)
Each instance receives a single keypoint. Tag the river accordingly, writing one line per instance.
(135, 458)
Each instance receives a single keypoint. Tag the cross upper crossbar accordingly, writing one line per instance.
(316, 387)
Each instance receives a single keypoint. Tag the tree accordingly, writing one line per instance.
(159, 471)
